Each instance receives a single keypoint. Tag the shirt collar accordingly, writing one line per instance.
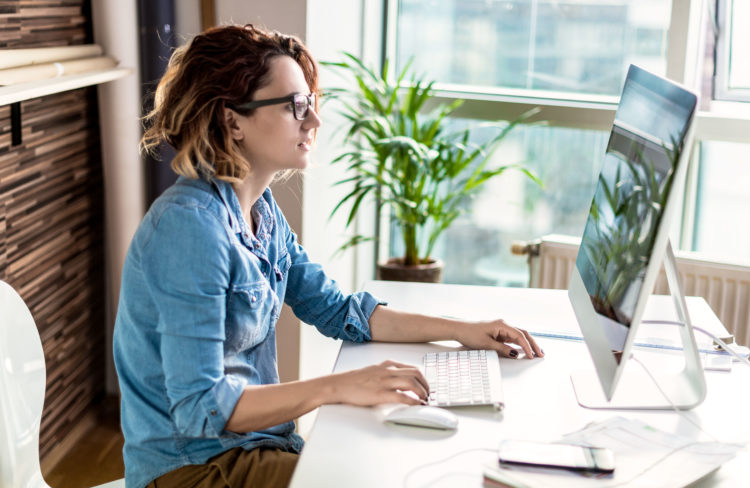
(229, 197)
(261, 213)
(263, 218)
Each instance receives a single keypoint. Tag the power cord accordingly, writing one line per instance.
(716, 339)
(443, 460)
(724, 346)
(671, 403)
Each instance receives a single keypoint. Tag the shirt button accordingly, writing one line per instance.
(254, 299)
(213, 412)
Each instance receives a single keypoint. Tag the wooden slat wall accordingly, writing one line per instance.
(51, 218)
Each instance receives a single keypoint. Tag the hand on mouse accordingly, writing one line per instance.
(387, 382)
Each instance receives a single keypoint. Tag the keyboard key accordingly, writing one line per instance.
(458, 378)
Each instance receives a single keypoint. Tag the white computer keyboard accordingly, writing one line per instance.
(463, 378)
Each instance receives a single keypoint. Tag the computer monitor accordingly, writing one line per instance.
(624, 243)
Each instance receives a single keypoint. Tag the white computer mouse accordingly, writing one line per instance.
(423, 416)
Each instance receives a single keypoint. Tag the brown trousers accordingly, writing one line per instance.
(236, 468)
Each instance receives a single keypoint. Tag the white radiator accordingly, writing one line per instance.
(726, 287)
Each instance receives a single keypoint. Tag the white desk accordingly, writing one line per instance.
(351, 446)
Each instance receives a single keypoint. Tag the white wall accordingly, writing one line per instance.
(116, 30)
(332, 26)
(187, 19)
(287, 16)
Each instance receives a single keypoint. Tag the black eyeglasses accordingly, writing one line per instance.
(300, 103)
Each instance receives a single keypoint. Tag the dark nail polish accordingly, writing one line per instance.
(513, 353)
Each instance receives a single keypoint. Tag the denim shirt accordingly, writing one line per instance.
(196, 323)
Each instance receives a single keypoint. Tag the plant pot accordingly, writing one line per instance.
(395, 270)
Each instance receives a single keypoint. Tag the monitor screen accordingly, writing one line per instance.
(628, 208)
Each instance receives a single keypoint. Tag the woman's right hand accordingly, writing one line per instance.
(262, 406)
(387, 382)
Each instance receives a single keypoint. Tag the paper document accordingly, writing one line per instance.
(644, 457)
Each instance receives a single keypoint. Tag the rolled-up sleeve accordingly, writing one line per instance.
(202, 398)
(187, 271)
(317, 299)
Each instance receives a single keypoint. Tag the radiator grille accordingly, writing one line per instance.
(726, 287)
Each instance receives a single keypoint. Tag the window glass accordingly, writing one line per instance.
(578, 46)
(722, 222)
(476, 248)
(739, 57)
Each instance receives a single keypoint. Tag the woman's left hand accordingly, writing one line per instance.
(496, 335)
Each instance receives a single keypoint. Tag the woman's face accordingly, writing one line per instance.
(272, 139)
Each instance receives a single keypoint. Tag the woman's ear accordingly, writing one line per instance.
(232, 120)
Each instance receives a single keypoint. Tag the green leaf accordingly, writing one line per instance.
(354, 241)
(401, 153)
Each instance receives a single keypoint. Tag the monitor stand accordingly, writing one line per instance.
(635, 390)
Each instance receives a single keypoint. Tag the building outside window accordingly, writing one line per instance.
(575, 46)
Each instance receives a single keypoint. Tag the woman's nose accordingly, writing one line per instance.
(312, 119)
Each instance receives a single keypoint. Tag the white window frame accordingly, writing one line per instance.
(725, 24)
(722, 121)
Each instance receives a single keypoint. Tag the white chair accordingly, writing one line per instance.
(22, 386)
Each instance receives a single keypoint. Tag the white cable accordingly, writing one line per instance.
(665, 322)
(723, 344)
(452, 474)
(445, 459)
(664, 394)
(679, 412)
(671, 403)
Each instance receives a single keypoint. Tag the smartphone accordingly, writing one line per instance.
(553, 455)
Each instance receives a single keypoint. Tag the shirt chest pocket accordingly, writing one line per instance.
(282, 267)
(251, 312)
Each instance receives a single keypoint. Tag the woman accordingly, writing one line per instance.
(213, 261)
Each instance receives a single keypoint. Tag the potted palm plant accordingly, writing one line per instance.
(404, 157)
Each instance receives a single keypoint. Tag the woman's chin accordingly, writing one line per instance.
(303, 162)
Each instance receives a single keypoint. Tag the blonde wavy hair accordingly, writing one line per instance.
(222, 67)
